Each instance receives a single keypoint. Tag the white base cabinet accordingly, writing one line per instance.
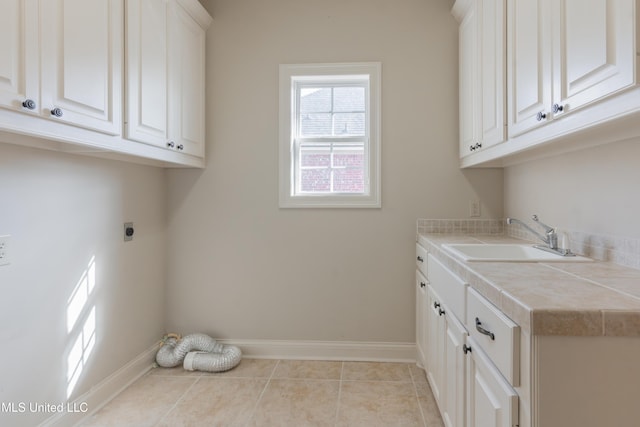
(492, 402)
(485, 372)
(467, 385)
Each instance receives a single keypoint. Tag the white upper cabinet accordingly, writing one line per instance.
(62, 60)
(81, 69)
(594, 50)
(529, 75)
(482, 73)
(19, 60)
(64, 86)
(565, 54)
(147, 80)
(166, 74)
(545, 60)
(187, 81)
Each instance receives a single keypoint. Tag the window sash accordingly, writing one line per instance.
(332, 147)
(347, 81)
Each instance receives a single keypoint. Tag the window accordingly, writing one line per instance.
(330, 135)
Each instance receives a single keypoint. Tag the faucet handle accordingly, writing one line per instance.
(549, 230)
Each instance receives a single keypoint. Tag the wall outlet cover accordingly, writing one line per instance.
(474, 208)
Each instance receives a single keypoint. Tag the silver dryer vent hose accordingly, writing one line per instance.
(208, 354)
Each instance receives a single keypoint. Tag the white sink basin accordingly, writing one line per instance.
(506, 252)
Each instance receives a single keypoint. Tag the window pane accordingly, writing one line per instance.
(348, 181)
(345, 124)
(348, 99)
(315, 100)
(310, 157)
(315, 124)
(315, 180)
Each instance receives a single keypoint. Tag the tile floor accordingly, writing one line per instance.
(279, 393)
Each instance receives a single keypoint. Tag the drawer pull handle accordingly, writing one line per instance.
(466, 349)
(420, 259)
(483, 331)
(440, 311)
(436, 305)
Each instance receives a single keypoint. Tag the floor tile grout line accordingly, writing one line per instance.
(339, 394)
(415, 390)
(179, 399)
(264, 389)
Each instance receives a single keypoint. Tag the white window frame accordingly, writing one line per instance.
(293, 75)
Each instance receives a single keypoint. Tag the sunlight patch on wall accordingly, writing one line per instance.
(81, 325)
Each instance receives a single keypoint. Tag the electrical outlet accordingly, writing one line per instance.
(5, 250)
(128, 231)
(474, 208)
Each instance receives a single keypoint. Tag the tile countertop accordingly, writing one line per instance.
(560, 298)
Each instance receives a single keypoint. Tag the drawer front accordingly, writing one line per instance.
(421, 259)
(496, 334)
(448, 286)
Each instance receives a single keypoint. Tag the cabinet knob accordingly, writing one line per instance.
(420, 259)
(558, 108)
(180, 147)
(56, 112)
(171, 144)
(29, 104)
(441, 311)
(436, 304)
(422, 284)
(476, 146)
(466, 349)
(541, 116)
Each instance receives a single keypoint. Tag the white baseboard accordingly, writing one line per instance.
(326, 350)
(92, 401)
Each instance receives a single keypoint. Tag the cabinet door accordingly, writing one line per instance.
(529, 55)
(491, 401)
(82, 63)
(468, 75)
(594, 52)
(453, 407)
(421, 319)
(19, 60)
(491, 65)
(187, 82)
(147, 83)
(435, 345)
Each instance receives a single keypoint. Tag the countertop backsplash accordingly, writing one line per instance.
(617, 249)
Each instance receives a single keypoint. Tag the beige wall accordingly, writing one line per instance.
(65, 214)
(240, 267)
(593, 190)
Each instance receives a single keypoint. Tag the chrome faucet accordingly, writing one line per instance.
(550, 237)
